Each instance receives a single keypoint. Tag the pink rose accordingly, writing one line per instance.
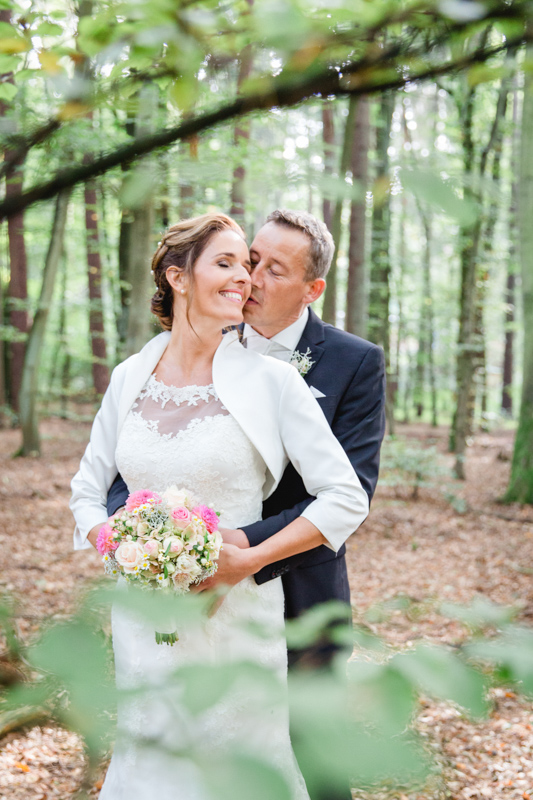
(181, 517)
(151, 547)
(129, 555)
(136, 499)
(208, 516)
(104, 540)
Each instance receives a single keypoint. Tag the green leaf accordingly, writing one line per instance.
(242, 777)
(8, 91)
(49, 29)
(442, 674)
(8, 63)
(429, 188)
(138, 187)
(512, 653)
(480, 613)
(384, 698)
(312, 625)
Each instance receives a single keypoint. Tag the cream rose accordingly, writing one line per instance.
(129, 555)
(187, 565)
(177, 497)
(151, 548)
(176, 545)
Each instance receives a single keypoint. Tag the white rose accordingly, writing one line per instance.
(187, 565)
(129, 555)
(178, 497)
(176, 545)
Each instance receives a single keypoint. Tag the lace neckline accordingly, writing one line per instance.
(163, 393)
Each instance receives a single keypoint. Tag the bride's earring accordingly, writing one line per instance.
(182, 291)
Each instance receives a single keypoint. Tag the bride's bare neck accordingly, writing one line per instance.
(188, 358)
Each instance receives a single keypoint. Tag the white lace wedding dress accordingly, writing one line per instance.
(185, 436)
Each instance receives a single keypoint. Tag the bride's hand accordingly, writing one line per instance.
(236, 537)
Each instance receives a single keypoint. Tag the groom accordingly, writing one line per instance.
(290, 257)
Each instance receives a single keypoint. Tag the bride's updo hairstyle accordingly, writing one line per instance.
(181, 246)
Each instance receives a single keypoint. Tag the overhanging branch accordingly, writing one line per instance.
(353, 80)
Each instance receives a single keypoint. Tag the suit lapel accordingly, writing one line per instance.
(312, 339)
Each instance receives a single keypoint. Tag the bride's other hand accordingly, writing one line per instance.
(236, 537)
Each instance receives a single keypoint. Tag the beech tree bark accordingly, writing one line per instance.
(468, 343)
(329, 309)
(17, 292)
(520, 487)
(31, 441)
(100, 369)
(328, 138)
(380, 269)
(356, 290)
(508, 354)
(241, 136)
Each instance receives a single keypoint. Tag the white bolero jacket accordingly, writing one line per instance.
(274, 407)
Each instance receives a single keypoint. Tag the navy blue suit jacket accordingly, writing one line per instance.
(350, 372)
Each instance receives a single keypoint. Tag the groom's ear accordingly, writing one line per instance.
(314, 290)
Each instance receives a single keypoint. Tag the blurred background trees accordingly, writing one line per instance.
(406, 126)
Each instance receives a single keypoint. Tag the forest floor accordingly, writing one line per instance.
(453, 543)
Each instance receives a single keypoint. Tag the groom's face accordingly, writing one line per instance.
(280, 286)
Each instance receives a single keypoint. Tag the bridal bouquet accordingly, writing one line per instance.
(165, 541)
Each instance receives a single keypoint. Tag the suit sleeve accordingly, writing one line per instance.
(359, 426)
(117, 496)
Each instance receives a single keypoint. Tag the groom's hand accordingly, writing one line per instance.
(234, 564)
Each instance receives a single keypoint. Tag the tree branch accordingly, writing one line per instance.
(354, 79)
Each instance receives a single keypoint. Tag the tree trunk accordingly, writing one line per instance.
(141, 236)
(31, 443)
(241, 136)
(18, 289)
(508, 355)
(17, 293)
(328, 138)
(94, 269)
(355, 295)
(521, 482)
(329, 309)
(379, 298)
(468, 344)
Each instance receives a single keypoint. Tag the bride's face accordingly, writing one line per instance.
(221, 280)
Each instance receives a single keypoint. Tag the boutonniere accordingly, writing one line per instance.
(302, 361)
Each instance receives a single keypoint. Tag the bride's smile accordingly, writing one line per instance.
(218, 286)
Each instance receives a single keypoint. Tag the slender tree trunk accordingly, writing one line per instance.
(380, 271)
(328, 138)
(468, 345)
(31, 443)
(17, 293)
(18, 289)
(329, 309)
(521, 482)
(94, 269)
(355, 295)
(141, 242)
(508, 355)
(3, 393)
(241, 136)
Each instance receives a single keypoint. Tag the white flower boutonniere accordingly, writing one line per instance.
(302, 361)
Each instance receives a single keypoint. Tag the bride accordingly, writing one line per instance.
(197, 410)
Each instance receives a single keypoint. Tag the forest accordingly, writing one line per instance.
(407, 126)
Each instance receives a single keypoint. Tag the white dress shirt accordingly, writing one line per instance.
(282, 345)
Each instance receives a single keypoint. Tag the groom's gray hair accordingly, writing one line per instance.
(321, 246)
